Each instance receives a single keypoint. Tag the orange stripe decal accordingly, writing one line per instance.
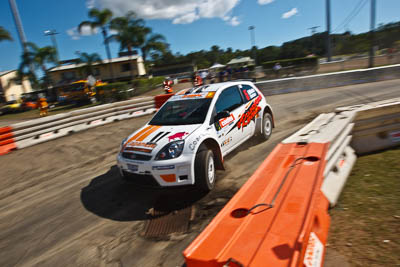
(149, 132)
(137, 135)
(141, 132)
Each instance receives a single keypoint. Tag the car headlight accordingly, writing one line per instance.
(122, 144)
(171, 150)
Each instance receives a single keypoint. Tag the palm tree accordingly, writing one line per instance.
(100, 19)
(133, 34)
(129, 30)
(37, 57)
(5, 35)
(151, 43)
(88, 60)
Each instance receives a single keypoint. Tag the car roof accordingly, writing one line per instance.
(205, 91)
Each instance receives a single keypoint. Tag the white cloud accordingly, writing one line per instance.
(179, 11)
(290, 13)
(186, 19)
(234, 21)
(73, 32)
(112, 32)
(85, 31)
(265, 2)
(90, 4)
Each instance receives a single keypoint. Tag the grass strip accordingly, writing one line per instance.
(365, 225)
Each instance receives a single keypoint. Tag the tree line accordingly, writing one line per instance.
(347, 43)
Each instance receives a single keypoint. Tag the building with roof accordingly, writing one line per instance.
(240, 62)
(10, 89)
(174, 70)
(122, 68)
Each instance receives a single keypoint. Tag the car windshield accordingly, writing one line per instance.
(182, 112)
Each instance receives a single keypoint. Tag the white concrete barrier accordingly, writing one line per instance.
(355, 129)
(336, 178)
(334, 129)
(48, 128)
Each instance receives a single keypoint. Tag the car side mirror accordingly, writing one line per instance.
(221, 115)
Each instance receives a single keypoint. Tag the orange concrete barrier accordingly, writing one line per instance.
(278, 218)
(161, 99)
(7, 142)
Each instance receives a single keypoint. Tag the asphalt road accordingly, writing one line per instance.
(63, 204)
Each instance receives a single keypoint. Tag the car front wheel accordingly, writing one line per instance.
(205, 170)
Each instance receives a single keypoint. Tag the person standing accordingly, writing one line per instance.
(168, 85)
(221, 75)
(211, 76)
(203, 76)
(197, 80)
(277, 67)
(229, 72)
(43, 107)
(194, 78)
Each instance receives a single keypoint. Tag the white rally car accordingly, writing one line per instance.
(188, 138)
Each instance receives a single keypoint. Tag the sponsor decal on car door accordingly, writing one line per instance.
(229, 100)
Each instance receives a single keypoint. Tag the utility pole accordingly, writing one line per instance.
(253, 43)
(20, 29)
(313, 31)
(328, 29)
(18, 24)
(372, 34)
(52, 34)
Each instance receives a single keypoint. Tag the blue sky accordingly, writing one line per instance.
(188, 25)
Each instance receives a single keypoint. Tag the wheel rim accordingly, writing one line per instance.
(267, 127)
(211, 170)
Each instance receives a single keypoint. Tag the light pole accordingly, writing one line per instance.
(313, 31)
(52, 34)
(328, 29)
(372, 34)
(253, 43)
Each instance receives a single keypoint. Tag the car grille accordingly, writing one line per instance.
(136, 156)
(141, 179)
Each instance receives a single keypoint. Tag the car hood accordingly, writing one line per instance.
(151, 138)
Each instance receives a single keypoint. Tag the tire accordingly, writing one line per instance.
(122, 175)
(204, 170)
(266, 127)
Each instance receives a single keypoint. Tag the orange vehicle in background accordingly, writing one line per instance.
(29, 101)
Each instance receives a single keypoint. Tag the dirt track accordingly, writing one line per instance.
(63, 204)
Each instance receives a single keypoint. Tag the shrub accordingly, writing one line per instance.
(113, 92)
(143, 85)
(122, 90)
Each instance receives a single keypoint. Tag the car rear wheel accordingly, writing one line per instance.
(205, 170)
(266, 127)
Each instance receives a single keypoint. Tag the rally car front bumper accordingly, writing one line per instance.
(171, 172)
